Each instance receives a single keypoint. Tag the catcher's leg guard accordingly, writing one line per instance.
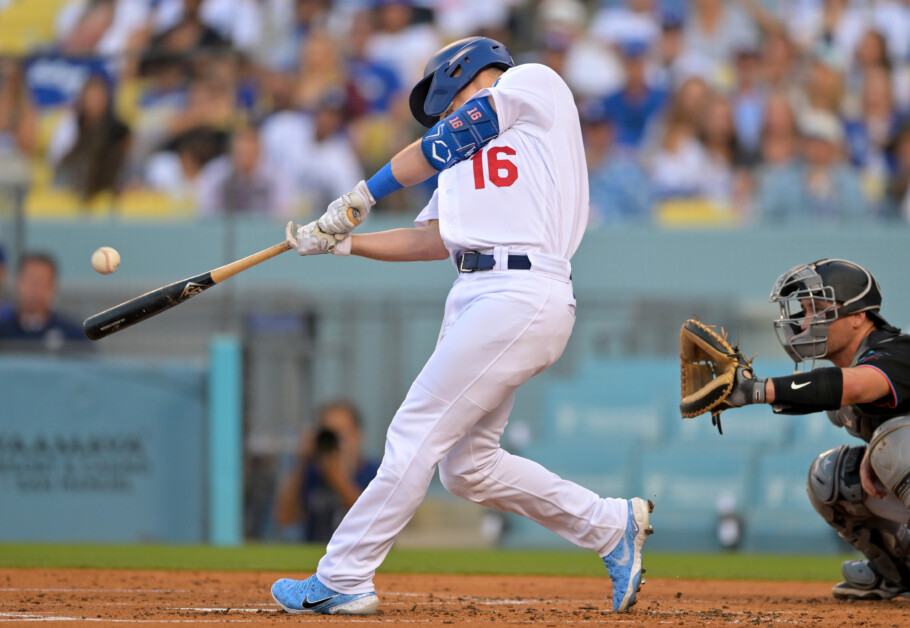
(836, 494)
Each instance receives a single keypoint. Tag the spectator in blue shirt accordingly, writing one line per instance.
(373, 86)
(620, 189)
(633, 106)
(869, 133)
(32, 323)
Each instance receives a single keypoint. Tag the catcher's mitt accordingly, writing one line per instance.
(708, 370)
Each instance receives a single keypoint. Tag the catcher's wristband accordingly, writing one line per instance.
(804, 393)
(754, 390)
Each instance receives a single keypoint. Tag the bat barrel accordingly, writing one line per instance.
(145, 306)
(151, 303)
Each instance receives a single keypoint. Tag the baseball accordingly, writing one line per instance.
(105, 260)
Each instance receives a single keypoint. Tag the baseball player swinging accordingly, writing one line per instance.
(830, 309)
(509, 211)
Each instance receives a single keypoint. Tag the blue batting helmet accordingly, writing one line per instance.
(450, 70)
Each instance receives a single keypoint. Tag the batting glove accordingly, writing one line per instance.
(310, 240)
(347, 212)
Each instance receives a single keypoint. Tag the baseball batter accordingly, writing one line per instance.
(509, 211)
(830, 309)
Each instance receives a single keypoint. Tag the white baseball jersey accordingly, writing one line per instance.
(526, 192)
(527, 189)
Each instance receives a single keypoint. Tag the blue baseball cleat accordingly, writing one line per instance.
(311, 596)
(624, 562)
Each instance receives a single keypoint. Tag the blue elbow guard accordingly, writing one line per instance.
(460, 135)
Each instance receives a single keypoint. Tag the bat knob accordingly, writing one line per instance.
(354, 216)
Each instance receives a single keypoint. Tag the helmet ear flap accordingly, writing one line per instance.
(417, 99)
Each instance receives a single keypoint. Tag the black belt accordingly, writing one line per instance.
(472, 261)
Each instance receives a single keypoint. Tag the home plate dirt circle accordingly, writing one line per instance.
(113, 597)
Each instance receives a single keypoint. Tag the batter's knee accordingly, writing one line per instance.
(461, 477)
(454, 481)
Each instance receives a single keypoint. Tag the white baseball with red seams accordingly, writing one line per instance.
(105, 260)
(525, 193)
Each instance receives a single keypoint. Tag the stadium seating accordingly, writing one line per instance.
(694, 213)
(46, 202)
(25, 24)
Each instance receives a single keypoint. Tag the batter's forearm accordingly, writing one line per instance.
(410, 167)
(407, 168)
(401, 245)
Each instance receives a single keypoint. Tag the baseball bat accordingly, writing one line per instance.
(164, 298)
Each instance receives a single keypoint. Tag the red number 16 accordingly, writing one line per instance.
(502, 171)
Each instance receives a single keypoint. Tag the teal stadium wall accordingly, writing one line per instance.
(101, 451)
(605, 415)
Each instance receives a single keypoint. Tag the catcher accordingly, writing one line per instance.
(830, 309)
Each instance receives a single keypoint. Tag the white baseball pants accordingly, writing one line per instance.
(500, 328)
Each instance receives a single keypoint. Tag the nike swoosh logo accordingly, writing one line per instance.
(624, 560)
(307, 604)
(796, 386)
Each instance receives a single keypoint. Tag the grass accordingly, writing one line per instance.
(301, 558)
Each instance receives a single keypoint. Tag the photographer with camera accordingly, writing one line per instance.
(329, 474)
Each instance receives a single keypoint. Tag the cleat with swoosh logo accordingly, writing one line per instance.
(311, 596)
(624, 562)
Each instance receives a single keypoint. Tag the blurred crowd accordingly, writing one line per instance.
(693, 111)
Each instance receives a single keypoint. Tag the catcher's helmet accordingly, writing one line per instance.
(812, 295)
(450, 70)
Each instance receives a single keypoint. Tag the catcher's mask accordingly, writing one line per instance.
(450, 70)
(811, 296)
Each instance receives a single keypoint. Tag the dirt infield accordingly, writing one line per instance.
(64, 596)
